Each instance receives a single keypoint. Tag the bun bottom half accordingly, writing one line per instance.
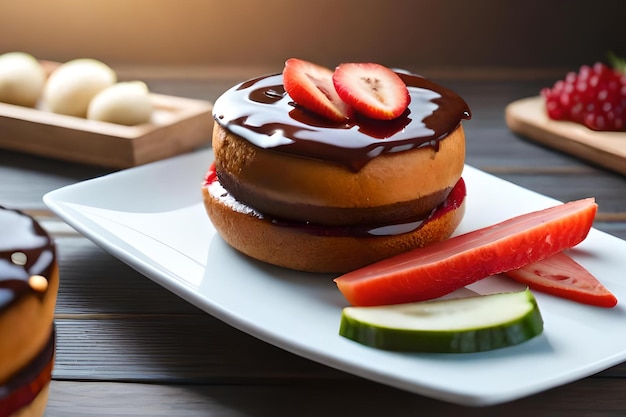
(320, 249)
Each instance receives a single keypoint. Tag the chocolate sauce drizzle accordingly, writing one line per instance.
(25, 250)
(260, 111)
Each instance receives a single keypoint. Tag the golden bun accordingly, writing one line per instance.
(300, 191)
(287, 186)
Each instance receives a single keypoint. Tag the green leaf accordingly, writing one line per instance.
(617, 62)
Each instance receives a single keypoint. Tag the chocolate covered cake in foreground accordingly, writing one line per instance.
(300, 190)
(29, 282)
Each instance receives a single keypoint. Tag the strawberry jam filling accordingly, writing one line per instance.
(24, 387)
(404, 225)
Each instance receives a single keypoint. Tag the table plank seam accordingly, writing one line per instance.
(125, 316)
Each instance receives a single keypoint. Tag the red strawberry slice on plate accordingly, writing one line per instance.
(311, 86)
(440, 268)
(372, 89)
(562, 276)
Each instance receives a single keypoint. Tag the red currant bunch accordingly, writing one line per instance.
(594, 97)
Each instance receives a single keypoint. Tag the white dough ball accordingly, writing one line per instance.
(72, 85)
(126, 103)
(22, 79)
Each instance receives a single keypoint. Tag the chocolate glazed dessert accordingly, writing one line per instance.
(301, 191)
(29, 283)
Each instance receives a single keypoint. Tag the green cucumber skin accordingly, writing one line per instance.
(470, 341)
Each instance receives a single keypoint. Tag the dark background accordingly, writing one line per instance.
(446, 35)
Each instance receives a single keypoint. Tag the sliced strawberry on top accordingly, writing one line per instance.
(311, 86)
(372, 89)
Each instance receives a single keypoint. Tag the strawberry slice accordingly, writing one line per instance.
(562, 276)
(438, 269)
(311, 86)
(372, 89)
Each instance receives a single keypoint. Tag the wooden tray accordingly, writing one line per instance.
(528, 118)
(178, 125)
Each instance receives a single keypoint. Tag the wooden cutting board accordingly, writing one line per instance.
(177, 125)
(528, 118)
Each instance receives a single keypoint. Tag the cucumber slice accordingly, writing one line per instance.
(464, 325)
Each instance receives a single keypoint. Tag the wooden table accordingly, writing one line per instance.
(127, 347)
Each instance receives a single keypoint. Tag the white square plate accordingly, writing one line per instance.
(152, 218)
